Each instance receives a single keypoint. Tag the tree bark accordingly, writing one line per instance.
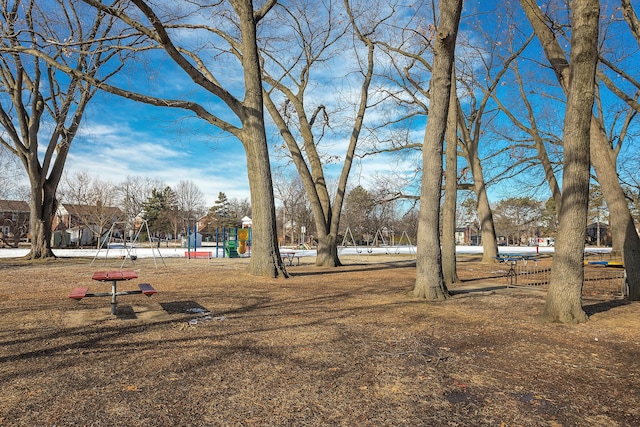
(42, 205)
(564, 297)
(265, 256)
(485, 215)
(449, 271)
(624, 234)
(429, 280)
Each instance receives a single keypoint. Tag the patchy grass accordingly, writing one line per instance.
(345, 346)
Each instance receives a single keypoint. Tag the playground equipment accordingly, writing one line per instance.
(243, 237)
(128, 248)
(404, 237)
(235, 242)
(232, 242)
(380, 242)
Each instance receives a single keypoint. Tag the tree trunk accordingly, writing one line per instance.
(265, 254)
(429, 280)
(449, 271)
(624, 234)
(42, 206)
(485, 215)
(327, 251)
(564, 297)
(623, 231)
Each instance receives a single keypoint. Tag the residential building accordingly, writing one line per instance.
(14, 222)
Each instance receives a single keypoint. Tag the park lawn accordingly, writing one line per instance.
(344, 346)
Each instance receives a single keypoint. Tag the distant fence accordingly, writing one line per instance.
(599, 279)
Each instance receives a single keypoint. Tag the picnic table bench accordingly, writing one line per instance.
(290, 256)
(198, 254)
(114, 277)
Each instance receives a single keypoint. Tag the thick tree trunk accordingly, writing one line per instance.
(564, 297)
(265, 254)
(449, 271)
(327, 251)
(429, 280)
(624, 234)
(42, 206)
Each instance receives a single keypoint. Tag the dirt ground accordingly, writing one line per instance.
(346, 347)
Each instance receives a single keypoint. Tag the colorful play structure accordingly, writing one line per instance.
(234, 241)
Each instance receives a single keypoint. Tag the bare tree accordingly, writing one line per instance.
(474, 116)
(290, 191)
(232, 35)
(10, 176)
(134, 192)
(603, 153)
(564, 297)
(37, 101)
(429, 281)
(240, 207)
(302, 124)
(190, 202)
(94, 202)
(517, 218)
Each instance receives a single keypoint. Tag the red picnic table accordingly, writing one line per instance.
(113, 276)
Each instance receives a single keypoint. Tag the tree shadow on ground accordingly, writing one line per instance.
(356, 267)
(482, 289)
(602, 306)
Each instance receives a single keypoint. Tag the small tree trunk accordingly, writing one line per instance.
(485, 215)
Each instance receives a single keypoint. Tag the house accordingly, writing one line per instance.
(14, 222)
(598, 234)
(83, 223)
(467, 236)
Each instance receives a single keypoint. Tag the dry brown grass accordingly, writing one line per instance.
(344, 346)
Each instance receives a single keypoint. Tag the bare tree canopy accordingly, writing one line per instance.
(40, 102)
(232, 26)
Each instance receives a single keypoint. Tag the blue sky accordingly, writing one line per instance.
(120, 138)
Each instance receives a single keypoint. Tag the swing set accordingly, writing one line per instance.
(128, 250)
(378, 241)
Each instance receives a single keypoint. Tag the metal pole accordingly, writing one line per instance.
(113, 297)
(188, 241)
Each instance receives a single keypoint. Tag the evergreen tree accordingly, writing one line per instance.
(220, 214)
(160, 210)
